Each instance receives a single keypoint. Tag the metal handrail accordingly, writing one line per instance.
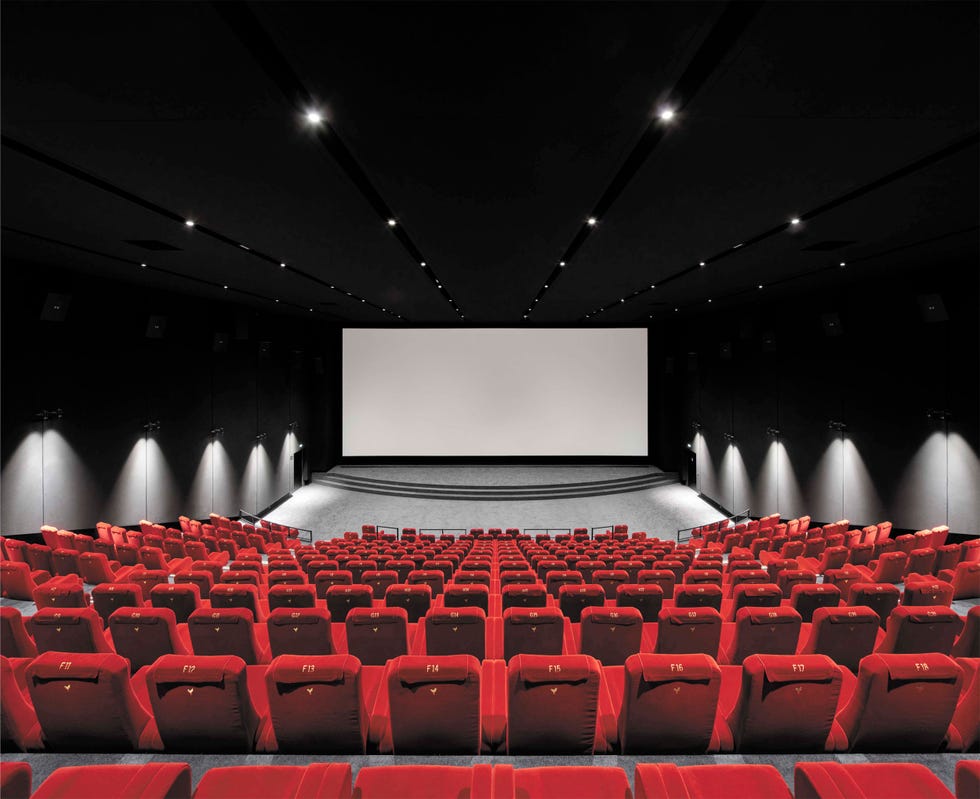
(309, 533)
(735, 517)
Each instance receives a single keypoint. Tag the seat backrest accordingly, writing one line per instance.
(300, 631)
(19, 729)
(204, 580)
(377, 635)
(533, 631)
(689, 631)
(523, 596)
(467, 596)
(968, 643)
(234, 595)
(669, 704)
(610, 580)
(765, 631)
(573, 599)
(552, 704)
(85, 702)
(807, 597)
(182, 598)
(15, 642)
(415, 599)
(787, 703)
(326, 579)
(750, 595)
(109, 597)
(902, 703)
(94, 568)
(844, 634)
(142, 635)
(291, 596)
(147, 578)
(920, 629)
(456, 631)
(225, 631)
(791, 577)
(664, 578)
(64, 561)
(556, 580)
(647, 598)
(882, 598)
(890, 568)
(61, 592)
(611, 635)
(68, 630)
(433, 578)
(316, 704)
(434, 705)
(523, 577)
(202, 704)
(699, 595)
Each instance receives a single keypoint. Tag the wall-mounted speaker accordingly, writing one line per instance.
(156, 327)
(831, 324)
(932, 308)
(55, 308)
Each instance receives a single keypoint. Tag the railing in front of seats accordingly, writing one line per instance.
(735, 518)
(253, 519)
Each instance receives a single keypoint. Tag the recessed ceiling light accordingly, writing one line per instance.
(760, 285)
(623, 300)
(282, 266)
(795, 220)
(667, 114)
(525, 316)
(392, 223)
(738, 245)
(189, 222)
(591, 221)
(701, 263)
(243, 246)
(422, 264)
(314, 117)
(546, 285)
(676, 309)
(363, 300)
(652, 286)
(311, 310)
(843, 263)
(709, 300)
(277, 300)
(561, 263)
(142, 266)
(226, 288)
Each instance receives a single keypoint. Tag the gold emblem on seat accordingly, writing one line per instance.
(67, 686)
(677, 689)
(554, 690)
(310, 690)
(190, 690)
(434, 691)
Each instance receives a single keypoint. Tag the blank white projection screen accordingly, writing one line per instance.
(494, 392)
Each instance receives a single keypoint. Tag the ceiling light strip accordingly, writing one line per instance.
(263, 49)
(730, 25)
(957, 146)
(196, 227)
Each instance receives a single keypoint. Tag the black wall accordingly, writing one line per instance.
(97, 463)
(880, 377)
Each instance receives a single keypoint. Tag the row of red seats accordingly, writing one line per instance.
(456, 704)
(377, 634)
(813, 780)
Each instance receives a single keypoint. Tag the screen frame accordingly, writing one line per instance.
(490, 460)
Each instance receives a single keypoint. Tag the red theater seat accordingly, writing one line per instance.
(965, 579)
(109, 597)
(698, 596)
(964, 730)
(203, 579)
(467, 596)
(68, 630)
(683, 689)
(453, 631)
(787, 704)
(15, 641)
(766, 595)
(141, 636)
(867, 781)
(17, 581)
(149, 781)
(920, 629)
(667, 781)
(15, 780)
(202, 704)
(844, 634)
(318, 704)
(429, 782)
(573, 599)
(300, 631)
(534, 631)
(689, 631)
(231, 595)
(806, 598)
(611, 635)
(291, 596)
(182, 598)
(967, 645)
(902, 703)
(19, 728)
(967, 779)
(86, 703)
(523, 596)
(377, 635)
(315, 781)
(648, 599)
(226, 631)
(567, 782)
(415, 599)
(553, 705)
(430, 705)
(763, 631)
(926, 590)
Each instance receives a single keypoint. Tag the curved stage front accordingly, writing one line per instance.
(350, 479)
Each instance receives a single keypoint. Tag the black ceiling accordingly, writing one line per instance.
(490, 133)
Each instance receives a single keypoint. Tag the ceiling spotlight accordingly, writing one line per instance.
(591, 221)
(652, 286)
(392, 222)
(282, 266)
(525, 316)
(623, 300)
(729, 437)
(701, 263)
(422, 264)
(667, 114)
(226, 288)
(277, 300)
(311, 310)
(676, 309)
(709, 300)
(795, 220)
(843, 263)
(314, 117)
(760, 285)
(561, 263)
(546, 285)
(142, 266)
(189, 222)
